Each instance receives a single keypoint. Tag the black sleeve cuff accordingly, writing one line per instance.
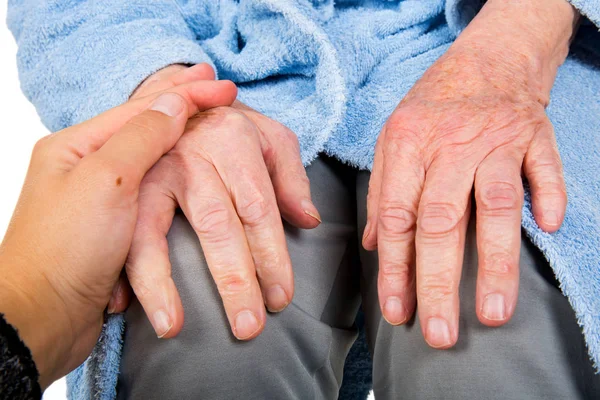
(18, 373)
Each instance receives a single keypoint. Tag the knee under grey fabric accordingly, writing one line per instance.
(540, 354)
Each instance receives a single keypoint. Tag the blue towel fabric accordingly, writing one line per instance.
(331, 71)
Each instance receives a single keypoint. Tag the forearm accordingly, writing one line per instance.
(532, 36)
(38, 318)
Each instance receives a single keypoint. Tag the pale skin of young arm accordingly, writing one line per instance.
(502, 67)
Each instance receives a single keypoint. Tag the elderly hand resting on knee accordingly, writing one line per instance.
(234, 174)
(475, 120)
(73, 226)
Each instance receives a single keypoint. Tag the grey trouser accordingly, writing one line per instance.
(540, 354)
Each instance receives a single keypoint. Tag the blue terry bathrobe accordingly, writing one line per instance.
(332, 73)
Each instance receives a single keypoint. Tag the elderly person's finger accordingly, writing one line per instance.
(543, 169)
(247, 180)
(441, 227)
(369, 239)
(499, 199)
(401, 187)
(281, 154)
(148, 266)
(208, 206)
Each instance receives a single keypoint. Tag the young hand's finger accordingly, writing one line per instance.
(128, 154)
(91, 135)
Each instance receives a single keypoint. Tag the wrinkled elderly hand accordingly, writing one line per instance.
(475, 120)
(234, 173)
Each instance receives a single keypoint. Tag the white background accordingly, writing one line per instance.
(20, 128)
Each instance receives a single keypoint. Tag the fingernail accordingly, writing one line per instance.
(493, 307)
(169, 104)
(246, 325)
(394, 311)
(438, 333)
(162, 323)
(310, 209)
(550, 218)
(276, 298)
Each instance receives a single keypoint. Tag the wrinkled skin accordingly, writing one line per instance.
(475, 122)
(234, 174)
(463, 126)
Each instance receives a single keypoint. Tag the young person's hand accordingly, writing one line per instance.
(234, 173)
(73, 225)
(474, 120)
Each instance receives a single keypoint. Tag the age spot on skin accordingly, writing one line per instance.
(119, 181)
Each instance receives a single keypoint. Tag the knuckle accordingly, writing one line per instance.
(399, 120)
(437, 288)
(254, 211)
(300, 178)
(213, 221)
(42, 148)
(439, 218)
(291, 137)
(500, 196)
(552, 194)
(498, 265)
(232, 284)
(228, 118)
(396, 219)
(41, 144)
(270, 262)
(394, 272)
(268, 152)
(402, 129)
(547, 166)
